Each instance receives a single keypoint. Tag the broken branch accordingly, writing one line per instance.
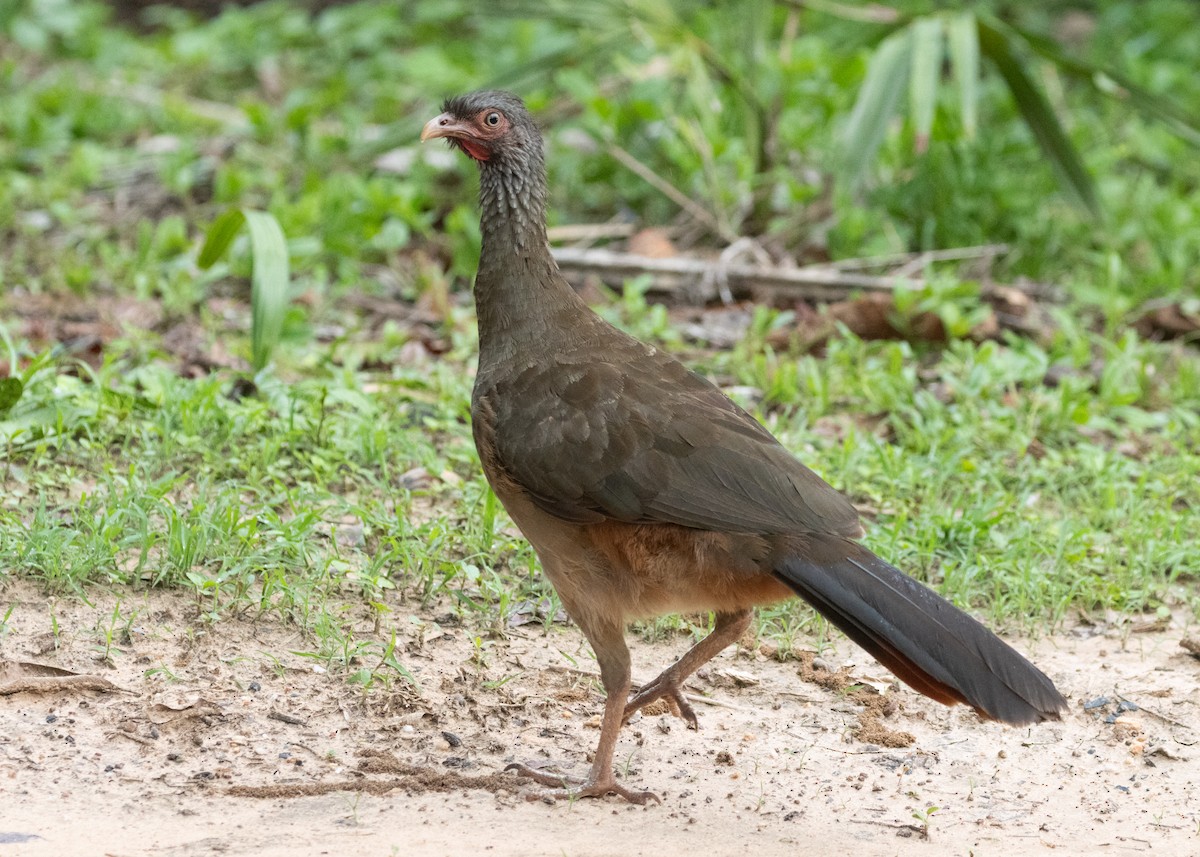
(821, 284)
(681, 272)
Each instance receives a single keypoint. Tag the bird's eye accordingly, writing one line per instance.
(492, 119)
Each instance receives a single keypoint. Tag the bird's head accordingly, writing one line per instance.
(491, 127)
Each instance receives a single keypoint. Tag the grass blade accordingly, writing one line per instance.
(962, 33)
(1040, 118)
(1143, 100)
(269, 273)
(887, 75)
(924, 73)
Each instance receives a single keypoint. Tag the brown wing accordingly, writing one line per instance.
(639, 438)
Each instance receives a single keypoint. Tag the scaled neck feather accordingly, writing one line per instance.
(520, 295)
(512, 201)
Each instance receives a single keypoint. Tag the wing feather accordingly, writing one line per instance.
(668, 447)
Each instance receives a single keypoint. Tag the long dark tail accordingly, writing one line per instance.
(931, 645)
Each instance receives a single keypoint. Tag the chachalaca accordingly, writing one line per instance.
(645, 490)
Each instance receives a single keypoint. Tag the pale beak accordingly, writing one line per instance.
(444, 125)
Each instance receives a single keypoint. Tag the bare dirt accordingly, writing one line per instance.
(191, 738)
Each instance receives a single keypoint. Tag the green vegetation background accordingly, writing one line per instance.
(1036, 480)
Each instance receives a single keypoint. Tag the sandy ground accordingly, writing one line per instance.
(192, 739)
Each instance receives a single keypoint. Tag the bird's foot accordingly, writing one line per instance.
(546, 778)
(665, 687)
(571, 788)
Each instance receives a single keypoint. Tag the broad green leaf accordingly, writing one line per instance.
(887, 75)
(1039, 116)
(10, 392)
(962, 32)
(268, 284)
(220, 235)
(925, 71)
(269, 277)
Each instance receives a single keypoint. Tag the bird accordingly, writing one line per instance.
(645, 490)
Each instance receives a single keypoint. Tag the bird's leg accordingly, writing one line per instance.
(668, 685)
(615, 672)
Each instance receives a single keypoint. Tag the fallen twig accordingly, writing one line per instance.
(1163, 717)
(716, 703)
(569, 232)
(285, 718)
(686, 273)
(950, 254)
(800, 696)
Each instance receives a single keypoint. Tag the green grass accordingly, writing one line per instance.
(298, 504)
(1023, 500)
(341, 482)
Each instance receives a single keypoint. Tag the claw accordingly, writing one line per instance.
(663, 687)
(545, 778)
(572, 788)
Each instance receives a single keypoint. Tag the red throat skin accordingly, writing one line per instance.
(473, 149)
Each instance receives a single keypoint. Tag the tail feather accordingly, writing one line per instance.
(930, 645)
